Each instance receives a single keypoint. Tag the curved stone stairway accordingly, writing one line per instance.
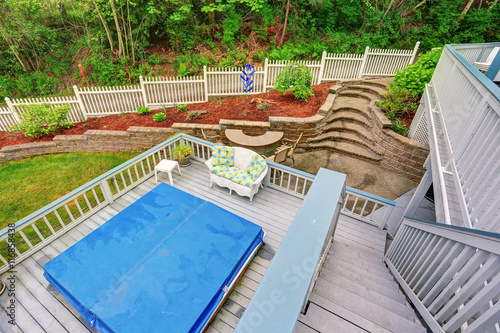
(348, 127)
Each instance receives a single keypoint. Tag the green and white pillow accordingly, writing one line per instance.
(223, 155)
(256, 167)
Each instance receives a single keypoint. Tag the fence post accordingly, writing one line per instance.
(266, 68)
(321, 68)
(363, 64)
(415, 50)
(205, 82)
(80, 102)
(13, 110)
(143, 90)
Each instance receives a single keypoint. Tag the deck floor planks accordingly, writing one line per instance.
(49, 311)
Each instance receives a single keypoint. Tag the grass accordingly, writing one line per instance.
(34, 182)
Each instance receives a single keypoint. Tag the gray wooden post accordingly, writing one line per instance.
(266, 68)
(363, 64)
(15, 113)
(143, 90)
(415, 50)
(80, 102)
(106, 190)
(205, 82)
(321, 68)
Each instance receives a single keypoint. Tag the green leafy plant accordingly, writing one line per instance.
(182, 151)
(41, 119)
(297, 79)
(193, 115)
(159, 117)
(182, 107)
(262, 106)
(143, 110)
(405, 92)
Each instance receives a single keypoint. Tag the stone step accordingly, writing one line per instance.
(345, 136)
(357, 94)
(348, 148)
(378, 83)
(349, 115)
(378, 89)
(348, 126)
(350, 102)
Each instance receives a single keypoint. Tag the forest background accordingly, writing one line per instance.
(47, 46)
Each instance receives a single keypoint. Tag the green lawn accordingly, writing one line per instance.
(31, 183)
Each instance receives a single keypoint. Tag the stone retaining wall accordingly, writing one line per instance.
(135, 138)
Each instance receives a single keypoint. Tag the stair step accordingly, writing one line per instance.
(398, 307)
(359, 94)
(340, 136)
(389, 291)
(350, 102)
(333, 263)
(378, 83)
(347, 148)
(371, 311)
(348, 126)
(372, 89)
(350, 116)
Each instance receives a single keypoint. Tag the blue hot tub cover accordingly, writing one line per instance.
(163, 264)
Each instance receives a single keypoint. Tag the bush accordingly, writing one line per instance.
(41, 119)
(405, 92)
(182, 107)
(193, 115)
(143, 110)
(159, 117)
(297, 79)
(262, 106)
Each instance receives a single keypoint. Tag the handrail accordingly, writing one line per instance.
(435, 151)
(451, 274)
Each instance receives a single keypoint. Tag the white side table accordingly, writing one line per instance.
(167, 166)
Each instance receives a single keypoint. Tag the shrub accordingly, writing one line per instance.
(143, 110)
(41, 119)
(193, 114)
(262, 106)
(297, 79)
(182, 107)
(159, 117)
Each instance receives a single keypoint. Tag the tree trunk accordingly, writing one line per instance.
(466, 9)
(25, 64)
(108, 33)
(130, 33)
(286, 21)
(386, 12)
(118, 31)
(413, 9)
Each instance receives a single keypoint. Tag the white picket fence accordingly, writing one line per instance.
(156, 92)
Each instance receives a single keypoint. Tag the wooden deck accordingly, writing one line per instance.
(40, 308)
(353, 269)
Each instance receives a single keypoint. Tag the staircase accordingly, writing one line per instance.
(349, 125)
(355, 292)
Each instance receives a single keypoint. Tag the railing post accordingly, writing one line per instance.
(143, 90)
(385, 218)
(80, 102)
(13, 110)
(322, 67)
(363, 64)
(205, 82)
(106, 190)
(266, 69)
(415, 50)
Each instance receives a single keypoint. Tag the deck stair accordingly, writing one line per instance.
(348, 127)
(355, 291)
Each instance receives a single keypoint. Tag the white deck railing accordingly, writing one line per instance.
(462, 114)
(451, 275)
(156, 92)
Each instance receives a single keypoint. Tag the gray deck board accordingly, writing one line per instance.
(41, 308)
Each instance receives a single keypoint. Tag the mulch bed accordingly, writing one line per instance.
(234, 108)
